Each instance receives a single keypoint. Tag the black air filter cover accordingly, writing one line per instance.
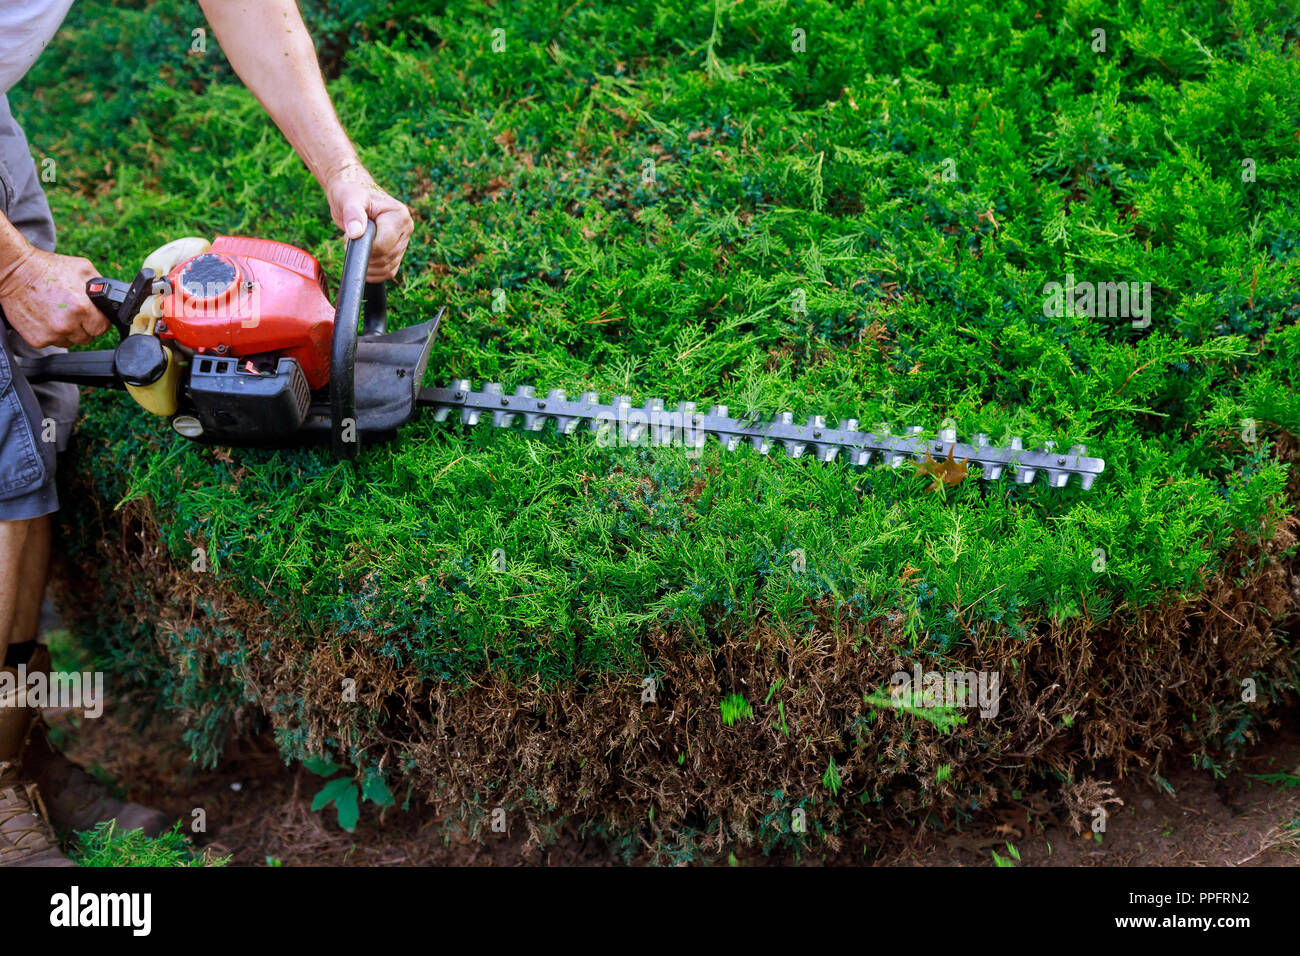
(248, 407)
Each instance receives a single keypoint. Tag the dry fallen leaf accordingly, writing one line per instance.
(945, 472)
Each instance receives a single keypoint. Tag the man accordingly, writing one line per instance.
(43, 297)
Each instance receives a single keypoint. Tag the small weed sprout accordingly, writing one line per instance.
(735, 709)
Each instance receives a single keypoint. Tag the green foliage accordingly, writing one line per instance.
(341, 792)
(1283, 781)
(774, 171)
(735, 709)
(831, 779)
(1001, 861)
(910, 701)
(105, 845)
(344, 793)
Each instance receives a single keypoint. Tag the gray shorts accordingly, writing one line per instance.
(35, 420)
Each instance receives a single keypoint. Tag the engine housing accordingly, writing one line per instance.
(245, 297)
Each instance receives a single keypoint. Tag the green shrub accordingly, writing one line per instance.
(106, 846)
(775, 172)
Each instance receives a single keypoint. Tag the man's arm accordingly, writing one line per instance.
(44, 294)
(268, 46)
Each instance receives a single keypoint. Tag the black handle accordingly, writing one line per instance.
(107, 294)
(118, 301)
(345, 438)
(96, 369)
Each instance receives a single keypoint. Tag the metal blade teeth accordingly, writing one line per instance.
(1018, 472)
(752, 421)
(793, 447)
(471, 416)
(825, 451)
(727, 439)
(656, 427)
(653, 424)
(693, 436)
(564, 424)
(860, 457)
(911, 431)
(459, 390)
(533, 422)
(500, 419)
(988, 472)
(1055, 477)
(628, 430)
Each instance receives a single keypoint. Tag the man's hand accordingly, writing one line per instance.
(44, 299)
(354, 198)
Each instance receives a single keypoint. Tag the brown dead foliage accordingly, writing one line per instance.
(1081, 699)
(945, 472)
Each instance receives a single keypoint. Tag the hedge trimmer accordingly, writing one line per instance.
(235, 342)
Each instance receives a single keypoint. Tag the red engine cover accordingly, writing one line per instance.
(246, 297)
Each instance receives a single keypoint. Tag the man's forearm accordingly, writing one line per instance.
(267, 44)
(14, 247)
(269, 47)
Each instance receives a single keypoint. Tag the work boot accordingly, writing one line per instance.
(25, 836)
(78, 801)
(75, 799)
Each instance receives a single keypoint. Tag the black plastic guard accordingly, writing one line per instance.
(389, 371)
